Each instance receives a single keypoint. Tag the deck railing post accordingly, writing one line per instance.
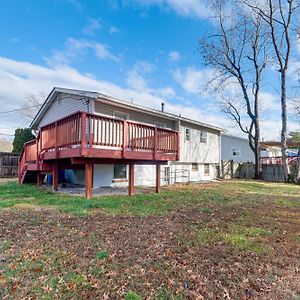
(178, 145)
(37, 151)
(83, 133)
(155, 144)
(41, 144)
(56, 140)
(125, 138)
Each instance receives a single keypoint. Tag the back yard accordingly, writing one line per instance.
(230, 240)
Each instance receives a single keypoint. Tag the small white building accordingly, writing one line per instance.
(236, 148)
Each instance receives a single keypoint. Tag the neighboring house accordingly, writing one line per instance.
(236, 149)
(199, 143)
(271, 152)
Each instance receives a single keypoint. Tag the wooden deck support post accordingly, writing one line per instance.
(55, 176)
(157, 186)
(88, 180)
(131, 180)
(40, 179)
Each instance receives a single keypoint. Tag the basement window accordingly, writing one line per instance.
(120, 172)
(194, 167)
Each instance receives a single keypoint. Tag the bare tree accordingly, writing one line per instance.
(279, 15)
(32, 105)
(237, 51)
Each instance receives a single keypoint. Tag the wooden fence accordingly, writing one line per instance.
(231, 169)
(8, 164)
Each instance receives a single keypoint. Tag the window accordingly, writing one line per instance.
(206, 169)
(121, 115)
(167, 174)
(194, 167)
(120, 171)
(236, 151)
(160, 125)
(187, 134)
(203, 137)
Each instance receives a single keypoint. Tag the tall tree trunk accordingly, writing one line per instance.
(257, 154)
(284, 125)
(297, 174)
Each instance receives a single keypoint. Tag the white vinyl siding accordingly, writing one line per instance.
(232, 144)
(63, 106)
(106, 109)
(195, 151)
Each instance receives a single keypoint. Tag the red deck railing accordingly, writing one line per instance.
(278, 160)
(85, 134)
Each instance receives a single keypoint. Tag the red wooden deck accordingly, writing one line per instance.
(84, 138)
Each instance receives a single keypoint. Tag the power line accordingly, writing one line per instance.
(2, 133)
(19, 109)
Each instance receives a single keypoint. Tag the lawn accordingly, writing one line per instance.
(229, 240)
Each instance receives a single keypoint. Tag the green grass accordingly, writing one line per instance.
(102, 255)
(243, 238)
(132, 296)
(13, 194)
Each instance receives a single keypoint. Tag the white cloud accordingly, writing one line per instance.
(136, 77)
(92, 26)
(136, 81)
(191, 80)
(174, 56)
(73, 48)
(113, 30)
(194, 8)
(19, 79)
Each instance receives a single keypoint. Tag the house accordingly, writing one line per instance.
(236, 148)
(271, 152)
(120, 143)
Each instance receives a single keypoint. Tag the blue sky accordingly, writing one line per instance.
(145, 50)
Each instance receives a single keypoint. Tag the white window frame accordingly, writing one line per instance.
(204, 171)
(240, 152)
(118, 112)
(189, 135)
(203, 139)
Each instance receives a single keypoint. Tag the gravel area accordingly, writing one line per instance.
(79, 190)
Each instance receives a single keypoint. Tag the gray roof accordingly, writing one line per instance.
(113, 100)
(235, 137)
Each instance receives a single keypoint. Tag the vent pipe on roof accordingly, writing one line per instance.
(162, 107)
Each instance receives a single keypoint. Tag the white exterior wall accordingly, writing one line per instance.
(229, 142)
(195, 152)
(63, 106)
